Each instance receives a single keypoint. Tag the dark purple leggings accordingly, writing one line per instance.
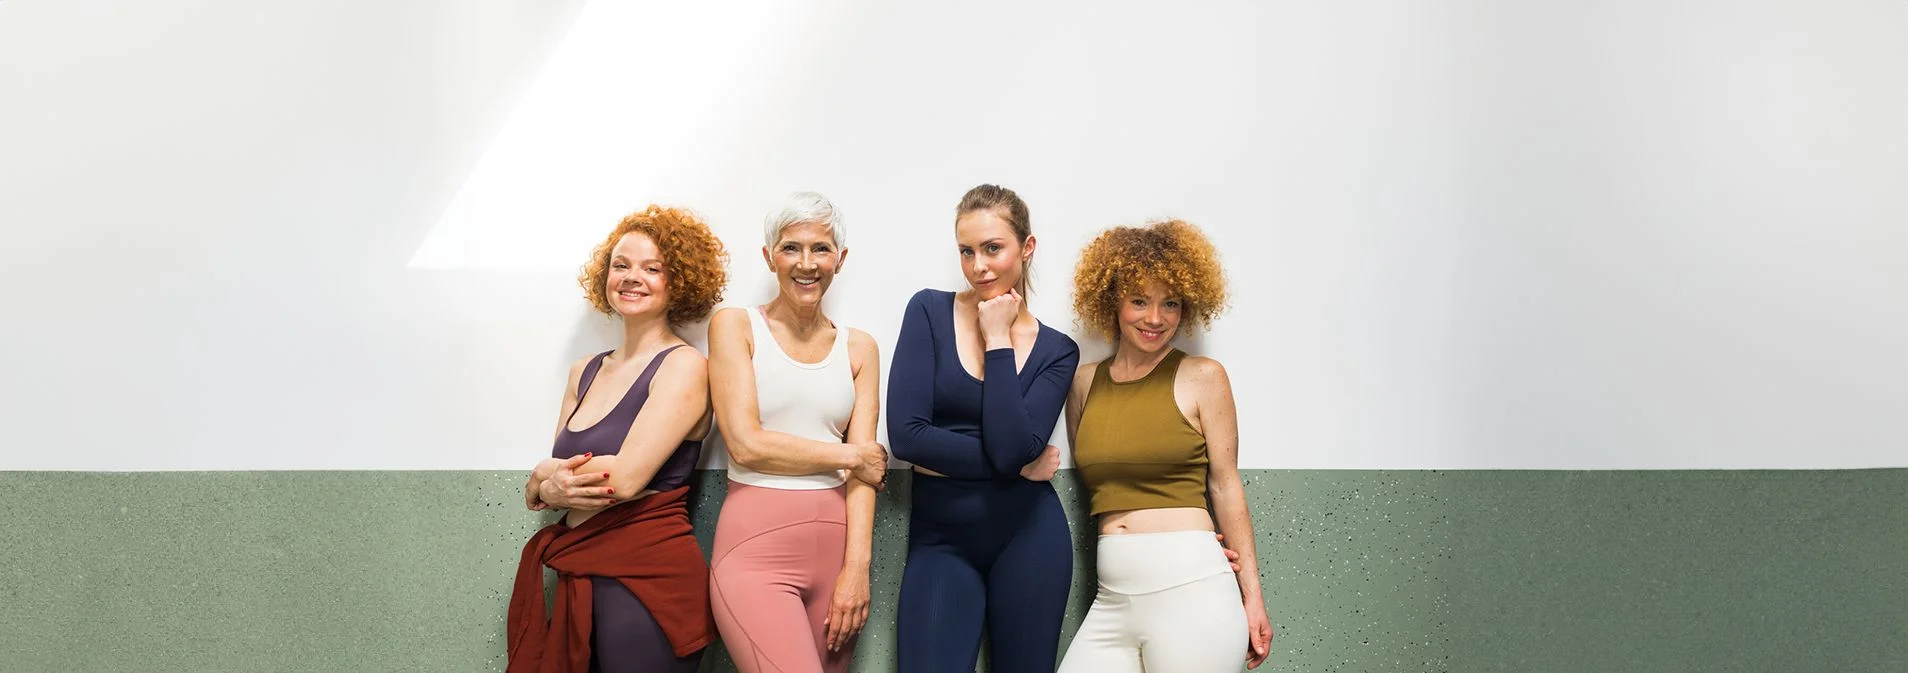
(625, 638)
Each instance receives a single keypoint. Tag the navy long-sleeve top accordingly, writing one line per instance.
(940, 417)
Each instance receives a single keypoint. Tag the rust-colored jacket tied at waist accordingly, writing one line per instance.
(647, 544)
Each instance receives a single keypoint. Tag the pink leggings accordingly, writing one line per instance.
(772, 577)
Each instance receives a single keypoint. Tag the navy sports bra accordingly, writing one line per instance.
(605, 438)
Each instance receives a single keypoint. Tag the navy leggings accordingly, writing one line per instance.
(979, 551)
(624, 637)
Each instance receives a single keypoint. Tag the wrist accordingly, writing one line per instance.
(994, 342)
(855, 566)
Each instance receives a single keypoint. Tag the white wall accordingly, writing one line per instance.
(1483, 235)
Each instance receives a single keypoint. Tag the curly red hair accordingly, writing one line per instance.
(695, 259)
(1120, 262)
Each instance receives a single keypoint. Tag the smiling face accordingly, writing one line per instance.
(805, 260)
(992, 257)
(637, 282)
(1149, 318)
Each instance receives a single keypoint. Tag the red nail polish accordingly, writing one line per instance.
(605, 475)
(612, 491)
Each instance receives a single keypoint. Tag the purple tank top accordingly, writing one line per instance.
(605, 438)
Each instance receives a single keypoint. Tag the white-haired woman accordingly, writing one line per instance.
(796, 398)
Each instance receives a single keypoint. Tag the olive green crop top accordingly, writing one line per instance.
(1134, 449)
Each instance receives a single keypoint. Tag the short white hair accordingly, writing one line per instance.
(804, 207)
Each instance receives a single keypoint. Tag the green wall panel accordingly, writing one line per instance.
(1364, 570)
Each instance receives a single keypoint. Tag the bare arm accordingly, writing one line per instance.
(549, 466)
(1219, 422)
(861, 430)
(732, 383)
(1076, 401)
(678, 400)
(849, 611)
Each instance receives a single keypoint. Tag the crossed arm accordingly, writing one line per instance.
(678, 402)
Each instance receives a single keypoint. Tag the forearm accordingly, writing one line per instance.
(1007, 437)
(1235, 522)
(534, 484)
(771, 452)
(861, 509)
(941, 450)
(626, 477)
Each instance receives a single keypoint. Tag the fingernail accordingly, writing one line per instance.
(612, 491)
(605, 475)
(586, 455)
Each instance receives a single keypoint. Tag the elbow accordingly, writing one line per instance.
(742, 449)
(901, 439)
(623, 485)
(1004, 466)
(1016, 456)
(1224, 489)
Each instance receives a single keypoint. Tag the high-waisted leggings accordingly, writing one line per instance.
(993, 552)
(624, 636)
(1166, 602)
(772, 577)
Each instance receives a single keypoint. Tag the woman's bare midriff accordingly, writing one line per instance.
(1160, 520)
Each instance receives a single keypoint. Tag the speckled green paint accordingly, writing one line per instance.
(1364, 570)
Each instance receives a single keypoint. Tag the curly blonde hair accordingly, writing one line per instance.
(695, 259)
(1120, 262)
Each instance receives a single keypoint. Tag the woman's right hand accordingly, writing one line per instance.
(1044, 467)
(873, 466)
(565, 489)
(997, 318)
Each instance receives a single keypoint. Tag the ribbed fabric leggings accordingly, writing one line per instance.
(997, 552)
(772, 576)
(1166, 602)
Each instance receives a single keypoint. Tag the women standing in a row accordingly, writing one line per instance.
(796, 398)
(1156, 440)
(632, 586)
(976, 388)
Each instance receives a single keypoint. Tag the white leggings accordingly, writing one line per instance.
(1167, 603)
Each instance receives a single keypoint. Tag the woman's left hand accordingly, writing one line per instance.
(848, 612)
(568, 490)
(1258, 633)
(1232, 557)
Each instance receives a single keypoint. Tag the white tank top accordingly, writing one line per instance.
(814, 401)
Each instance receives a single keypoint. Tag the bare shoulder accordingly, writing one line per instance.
(682, 366)
(1083, 374)
(729, 317)
(1204, 373)
(862, 342)
(862, 349)
(684, 359)
(1083, 377)
(728, 327)
(576, 369)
